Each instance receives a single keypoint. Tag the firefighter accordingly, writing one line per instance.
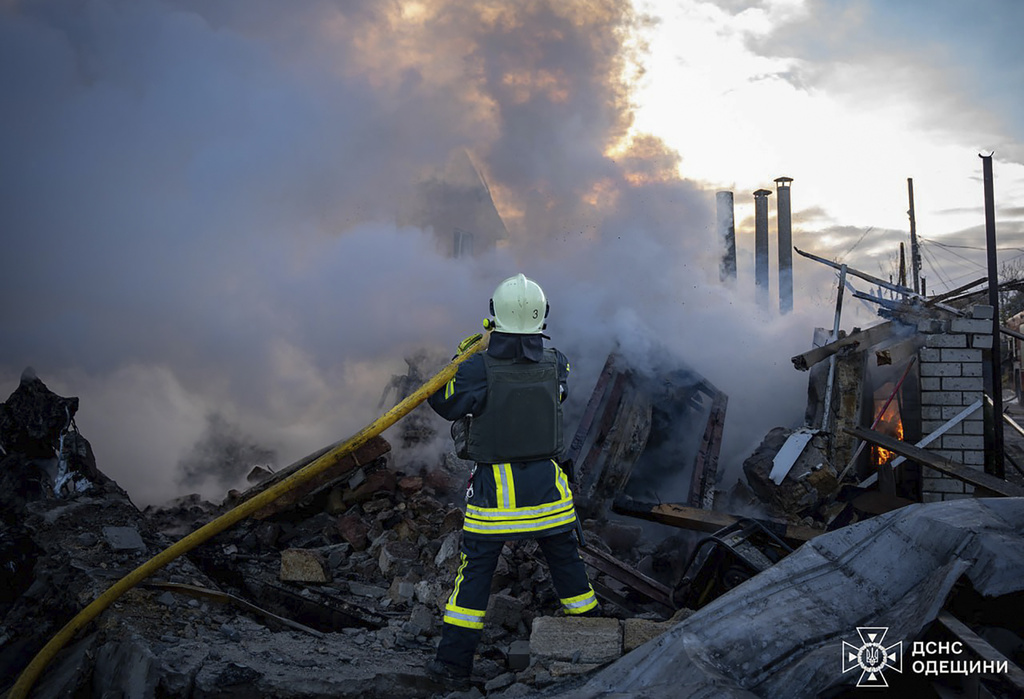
(506, 404)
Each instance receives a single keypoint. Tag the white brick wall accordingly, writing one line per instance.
(951, 379)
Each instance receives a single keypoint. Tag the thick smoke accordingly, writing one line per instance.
(206, 204)
(223, 456)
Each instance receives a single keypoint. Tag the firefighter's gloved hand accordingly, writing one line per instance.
(467, 343)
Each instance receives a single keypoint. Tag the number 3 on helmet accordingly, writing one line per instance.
(517, 305)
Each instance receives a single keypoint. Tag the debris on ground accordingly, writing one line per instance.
(878, 512)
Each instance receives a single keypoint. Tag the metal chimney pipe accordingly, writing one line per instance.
(761, 246)
(785, 225)
(727, 236)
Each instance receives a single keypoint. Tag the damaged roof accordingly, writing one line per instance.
(781, 633)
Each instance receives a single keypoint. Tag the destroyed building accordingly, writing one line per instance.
(877, 512)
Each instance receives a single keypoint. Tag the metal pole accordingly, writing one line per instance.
(915, 251)
(903, 266)
(993, 377)
(832, 360)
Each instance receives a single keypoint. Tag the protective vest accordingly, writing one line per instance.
(522, 415)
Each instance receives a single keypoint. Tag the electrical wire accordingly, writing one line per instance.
(859, 240)
(933, 263)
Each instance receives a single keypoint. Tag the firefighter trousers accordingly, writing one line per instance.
(467, 605)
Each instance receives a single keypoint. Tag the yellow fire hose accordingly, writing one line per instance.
(35, 668)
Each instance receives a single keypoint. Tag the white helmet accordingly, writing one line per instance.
(519, 306)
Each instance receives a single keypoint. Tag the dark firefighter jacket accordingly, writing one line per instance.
(514, 500)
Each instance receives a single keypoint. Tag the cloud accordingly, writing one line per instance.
(949, 68)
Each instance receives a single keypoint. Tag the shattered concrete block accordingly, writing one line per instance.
(302, 565)
(401, 591)
(810, 483)
(397, 557)
(448, 551)
(336, 554)
(519, 655)
(585, 640)
(432, 593)
(124, 539)
(505, 611)
(500, 682)
(636, 632)
(421, 621)
(126, 667)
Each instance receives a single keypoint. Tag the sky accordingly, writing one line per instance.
(204, 204)
(851, 99)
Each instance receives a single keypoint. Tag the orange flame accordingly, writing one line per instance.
(890, 424)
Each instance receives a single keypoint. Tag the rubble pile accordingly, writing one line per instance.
(336, 587)
(338, 594)
(808, 488)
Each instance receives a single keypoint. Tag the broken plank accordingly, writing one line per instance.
(226, 598)
(705, 467)
(329, 613)
(864, 338)
(587, 420)
(630, 577)
(971, 476)
(704, 520)
(367, 453)
(955, 292)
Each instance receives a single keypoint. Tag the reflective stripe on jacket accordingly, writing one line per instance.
(519, 500)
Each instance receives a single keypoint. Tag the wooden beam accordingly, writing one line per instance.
(632, 578)
(863, 339)
(374, 448)
(705, 467)
(225, 598)
(955, 292)
(971, 476)
(704, 520)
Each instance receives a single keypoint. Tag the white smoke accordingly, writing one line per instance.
(201, 202)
